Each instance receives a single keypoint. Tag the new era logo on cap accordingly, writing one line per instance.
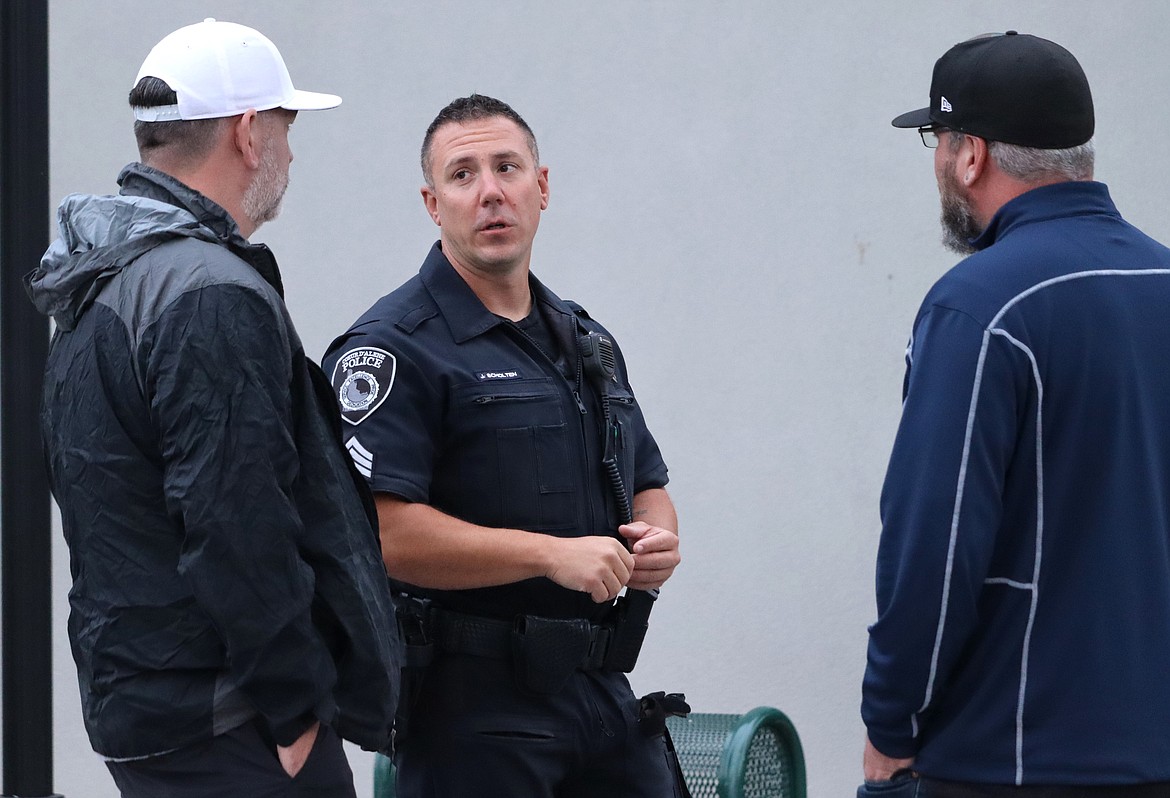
(944, 104)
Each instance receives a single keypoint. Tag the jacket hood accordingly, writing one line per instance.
(98, 237)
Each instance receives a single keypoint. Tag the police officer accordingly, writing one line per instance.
(473, 406)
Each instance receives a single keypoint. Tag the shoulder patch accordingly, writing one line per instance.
(362, 380)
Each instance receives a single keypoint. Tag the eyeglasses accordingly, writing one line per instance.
(929, 135)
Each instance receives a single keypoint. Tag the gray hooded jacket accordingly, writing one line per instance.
(224, 555)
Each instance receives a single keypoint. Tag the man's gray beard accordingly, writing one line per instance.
(958, 222)
(262, 199)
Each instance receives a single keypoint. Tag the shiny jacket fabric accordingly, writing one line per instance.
(223, 552)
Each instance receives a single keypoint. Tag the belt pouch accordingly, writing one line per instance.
(546, 652)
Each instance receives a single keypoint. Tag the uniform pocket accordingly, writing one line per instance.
(513, 444)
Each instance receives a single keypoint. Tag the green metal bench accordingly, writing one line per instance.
(754, 755)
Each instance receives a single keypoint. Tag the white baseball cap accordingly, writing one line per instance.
(222, 69)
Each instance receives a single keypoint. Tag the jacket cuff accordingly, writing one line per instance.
(895, 747)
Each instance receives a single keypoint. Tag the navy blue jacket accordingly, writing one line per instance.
(447, 404)
(1023, 575)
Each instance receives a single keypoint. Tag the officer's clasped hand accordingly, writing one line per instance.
(599, 566)
(656, 554)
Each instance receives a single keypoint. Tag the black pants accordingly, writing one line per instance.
(241, 763)
(475, 734)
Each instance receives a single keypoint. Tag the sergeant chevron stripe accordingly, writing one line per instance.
(362, 457)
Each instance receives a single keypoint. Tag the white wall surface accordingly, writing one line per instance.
(727, 197)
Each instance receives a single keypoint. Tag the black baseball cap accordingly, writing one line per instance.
(1010, 87)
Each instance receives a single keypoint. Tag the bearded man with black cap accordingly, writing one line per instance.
(1022, 644)
(230, 614)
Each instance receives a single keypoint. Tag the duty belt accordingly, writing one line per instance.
(458, 633)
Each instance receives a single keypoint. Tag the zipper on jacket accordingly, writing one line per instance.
(590, 481)
(506, 397)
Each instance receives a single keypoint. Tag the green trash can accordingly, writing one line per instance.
(383, 777)
(754, 755)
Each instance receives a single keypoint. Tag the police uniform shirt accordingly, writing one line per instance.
(447, 404)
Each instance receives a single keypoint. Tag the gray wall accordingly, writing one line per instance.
(727, 196)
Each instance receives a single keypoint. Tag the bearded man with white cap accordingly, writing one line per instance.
(230, 614)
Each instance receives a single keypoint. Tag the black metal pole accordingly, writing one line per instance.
(25, 526)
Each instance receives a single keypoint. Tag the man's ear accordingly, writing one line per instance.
(432, 203)
(975, 158)
(542, 181)
(247, 137)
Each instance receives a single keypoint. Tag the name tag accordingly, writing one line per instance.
(483, 376)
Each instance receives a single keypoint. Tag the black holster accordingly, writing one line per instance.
(629, 619)
(413, 617)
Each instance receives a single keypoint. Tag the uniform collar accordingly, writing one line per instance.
(465, 314)
(1059, 200)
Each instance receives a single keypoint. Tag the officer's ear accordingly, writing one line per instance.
(432, 203)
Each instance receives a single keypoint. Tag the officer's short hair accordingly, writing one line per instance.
(469, 109)
(191, 139)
